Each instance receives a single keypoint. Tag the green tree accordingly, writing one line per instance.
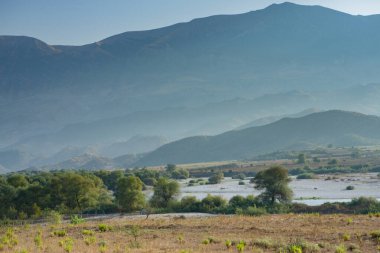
(7, 195)
(274, 181)
(301, 159)
(129, 193)
(180, 174)
(164, 191)
(170, 168)
(216, 178)
(17, 180)
(80, 191)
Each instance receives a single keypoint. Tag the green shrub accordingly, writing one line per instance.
(38, 240)
(228, 244)
(54, 217)
(240, 246)
(340, 249)
(9, 239)
(88, 232)
(307, 176)
(375, 234)
(181, 239)
(89, 240)
(263, 243)
(346, 237)
(135, 232)
(295, 249)
(67, 244)
(350, 188)
(60, 233)
(206, 241)
(104, 228)
(75, 219)
(240, 176)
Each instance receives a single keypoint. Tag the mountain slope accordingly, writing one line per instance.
(318, 129)
(181, 80)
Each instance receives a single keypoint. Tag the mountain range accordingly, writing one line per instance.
(202, 77)
(338, 128)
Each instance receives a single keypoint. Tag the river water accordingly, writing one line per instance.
(327, 188)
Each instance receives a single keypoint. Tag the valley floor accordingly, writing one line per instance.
(197, 233)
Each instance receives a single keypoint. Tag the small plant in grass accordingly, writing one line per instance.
(185, 251)
(213, 240)
(89, 240)
(88, 232)
(9, 239)
(59, 233)
(75, 219)
(181, 239)
(371, 215)
(228, 244)
(240, 246)
(102, 246)
(38, 240)
(353, 247)
(263, 243)
(134, 245)
(340, 249)
(67, 244)
(375, 234)
(206, 242)
(295, 249)
(349, 221)
(104, 227)
(22, 251)
(346, 237)
(135, 232)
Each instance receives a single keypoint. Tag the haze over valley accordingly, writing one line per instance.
(129, 94)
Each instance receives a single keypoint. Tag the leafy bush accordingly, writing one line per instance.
(340, 249)
(252, 211)
(54, 217)
(216, 178)
(375, 234)
(60, 233)
(67, 244)
(75, 219)
(38, 239)
(295, 249)
(228, 244)
(240, 246)
(307, 176)
(240, 176)
(104, 227)
(88, 232)
(346, 237)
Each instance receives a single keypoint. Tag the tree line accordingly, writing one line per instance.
(33, 195)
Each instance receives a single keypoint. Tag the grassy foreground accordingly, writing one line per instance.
(270, 233)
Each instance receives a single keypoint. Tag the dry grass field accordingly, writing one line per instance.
(270, 233)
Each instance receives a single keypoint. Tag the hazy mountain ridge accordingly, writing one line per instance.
(181, 80)
(339, 128)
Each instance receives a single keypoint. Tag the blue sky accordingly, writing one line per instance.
(76, 22)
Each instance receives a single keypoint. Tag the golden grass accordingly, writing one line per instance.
(187, 234)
